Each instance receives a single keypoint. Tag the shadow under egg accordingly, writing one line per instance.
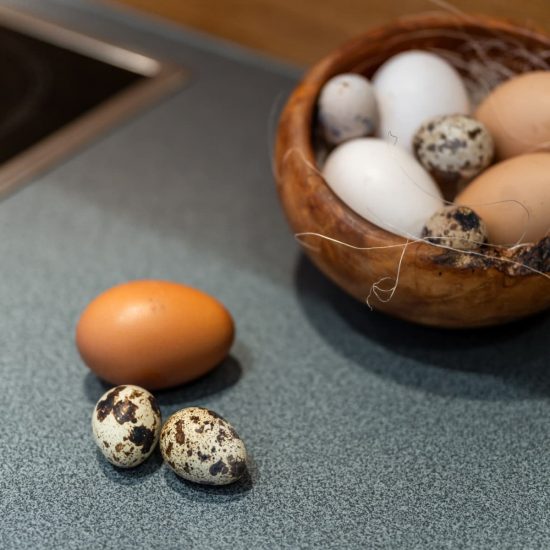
(214, 494)
(222, 377)
(94, 387)
(130, 476)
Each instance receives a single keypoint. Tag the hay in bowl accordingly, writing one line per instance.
(416, 281)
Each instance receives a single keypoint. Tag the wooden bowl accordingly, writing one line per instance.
(436, 286)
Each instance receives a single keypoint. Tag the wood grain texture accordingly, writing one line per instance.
(436, 286)
(305, 30)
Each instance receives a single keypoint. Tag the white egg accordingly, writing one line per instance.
(347, 108)
(200, 446)
(384, 184)
(412, 87)
(126, 425)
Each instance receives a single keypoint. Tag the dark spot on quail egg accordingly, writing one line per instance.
(472, 134)
(180, 435)
(467, 219)
(218, 468)
(202, 457)
(125, 411)
(105, 406)
(154, 404)
(456, 227)
(142, 437)
(237, 466)
(212, 452)
(126, 425)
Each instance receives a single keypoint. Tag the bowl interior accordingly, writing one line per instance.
(485, 52)
(437, 287)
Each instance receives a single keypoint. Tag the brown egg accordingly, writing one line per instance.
(513, 199)
(517, 114)
(154, 334)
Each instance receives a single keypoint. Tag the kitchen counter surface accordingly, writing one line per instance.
(364, 432)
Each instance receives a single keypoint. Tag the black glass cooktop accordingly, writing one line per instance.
(60, 88)
(45, 86)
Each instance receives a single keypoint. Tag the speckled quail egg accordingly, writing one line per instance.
(200, 446)
(454, 149)
(126, 425)
(347, 108)
(457, 227)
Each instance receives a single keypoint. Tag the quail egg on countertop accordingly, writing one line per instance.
(126, 425)
(200, 446)
(347, 108)
(454, 149)
(457, 227)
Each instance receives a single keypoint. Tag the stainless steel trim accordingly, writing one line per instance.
(163, 77)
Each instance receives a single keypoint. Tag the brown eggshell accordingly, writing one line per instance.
(154, 334)
(517, 114)
(497, 196)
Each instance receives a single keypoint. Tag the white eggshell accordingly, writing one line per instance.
(126, 425)
(412, 87)
(347, 108)
(384, 184)
(200, 446)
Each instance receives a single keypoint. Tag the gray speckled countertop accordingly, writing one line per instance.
(364, 432)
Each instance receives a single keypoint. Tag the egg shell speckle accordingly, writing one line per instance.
(126, 425)
(201, 446)
(454, 149)
(347, 108)
(458, 227)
